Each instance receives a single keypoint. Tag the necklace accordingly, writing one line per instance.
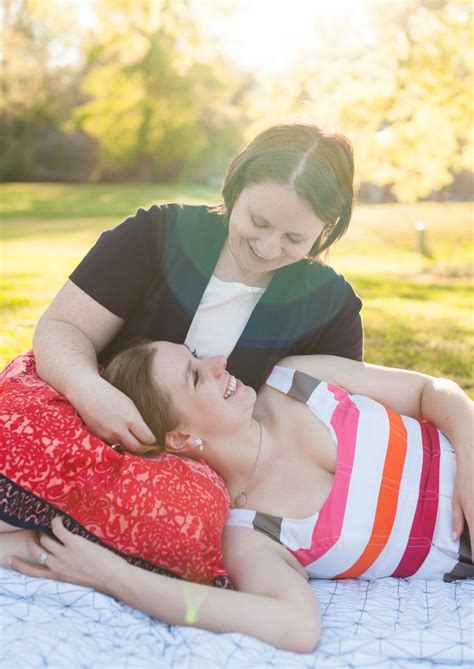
(241, 499)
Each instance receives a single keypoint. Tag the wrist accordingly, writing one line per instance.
(81, 386)
(115, 577)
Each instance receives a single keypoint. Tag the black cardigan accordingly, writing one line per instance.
(152, 270)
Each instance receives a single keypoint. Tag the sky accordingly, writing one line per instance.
(266, 34)
(262, 36)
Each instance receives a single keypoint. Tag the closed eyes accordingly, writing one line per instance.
(195, 373)
(291, 238)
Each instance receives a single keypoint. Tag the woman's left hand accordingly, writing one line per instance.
(463, 498)
(72, 559)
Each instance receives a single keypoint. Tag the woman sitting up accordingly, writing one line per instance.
(332, 470)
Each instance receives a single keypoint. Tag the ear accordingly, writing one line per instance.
(180, 443)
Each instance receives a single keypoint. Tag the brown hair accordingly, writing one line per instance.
(130, 372)
(318, 165)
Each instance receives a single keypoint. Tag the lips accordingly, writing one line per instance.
(257, 256)
(255, 252)
(230, 387)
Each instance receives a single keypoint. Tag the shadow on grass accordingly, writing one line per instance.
(55, 201)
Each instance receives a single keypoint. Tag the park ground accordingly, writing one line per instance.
(418, 307)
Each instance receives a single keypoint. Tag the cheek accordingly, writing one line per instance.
(298, 252)
(241, 229)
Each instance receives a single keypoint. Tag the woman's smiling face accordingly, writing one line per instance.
(206, 397)
(270, 227)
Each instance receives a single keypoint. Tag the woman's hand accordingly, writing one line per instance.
(66, 342)
(463, 496)
(112, 416)
(279, 607)
(71, 559)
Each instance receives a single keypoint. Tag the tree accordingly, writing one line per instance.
(399, 83)
(158, 104)
(39, 87)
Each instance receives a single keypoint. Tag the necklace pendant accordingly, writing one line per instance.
(240, 500)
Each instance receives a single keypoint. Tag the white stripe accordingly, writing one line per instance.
(408, 496)
(281, 378)
(297, 533)
(240, 518)
(322, 404)
(438, 563)
(369, 460)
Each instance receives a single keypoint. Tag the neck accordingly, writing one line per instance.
(235, 458)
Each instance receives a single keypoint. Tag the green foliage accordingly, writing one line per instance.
(399, 82)
(39, 89)
(156, 108)
(144, 94)
(417, 309)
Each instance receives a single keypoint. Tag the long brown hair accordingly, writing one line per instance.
(130, 372)
(317, 164)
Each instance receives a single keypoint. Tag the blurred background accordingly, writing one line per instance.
(108, 105)
(160, 90)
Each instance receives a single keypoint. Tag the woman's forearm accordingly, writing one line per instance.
(446, 406)
(65, 357)
(280, 623)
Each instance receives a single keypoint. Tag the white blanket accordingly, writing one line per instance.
(388, 623)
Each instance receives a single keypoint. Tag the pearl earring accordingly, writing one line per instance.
(199, 443)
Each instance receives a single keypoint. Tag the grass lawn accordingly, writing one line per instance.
(417, 308)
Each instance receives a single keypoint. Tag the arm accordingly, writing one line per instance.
(13, 540)
(107, 287)
(278, 606)
(67, 339)
(438, 401)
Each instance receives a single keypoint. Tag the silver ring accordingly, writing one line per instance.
(42, 558)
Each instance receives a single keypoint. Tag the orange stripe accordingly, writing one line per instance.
(388, 497)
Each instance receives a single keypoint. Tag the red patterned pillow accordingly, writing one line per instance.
(166, 514)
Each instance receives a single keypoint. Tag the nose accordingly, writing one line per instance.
(216, 365)
(269, 246)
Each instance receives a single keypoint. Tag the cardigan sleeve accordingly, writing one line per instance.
(343, 334)
(124, 261)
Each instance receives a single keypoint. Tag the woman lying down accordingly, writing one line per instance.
(332, 472)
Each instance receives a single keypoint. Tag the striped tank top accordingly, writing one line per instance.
(389, 509)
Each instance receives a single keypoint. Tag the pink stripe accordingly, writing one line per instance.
(424, 520)
(345, 421)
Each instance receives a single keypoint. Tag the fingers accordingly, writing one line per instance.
(144, 435)
(48, 544)
(130, 442)
(27, 568)
(65, 536)
(133, 437)
(139, 432)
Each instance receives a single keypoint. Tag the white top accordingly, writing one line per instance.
(221, 317)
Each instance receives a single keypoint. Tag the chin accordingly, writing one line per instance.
(253, 394)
